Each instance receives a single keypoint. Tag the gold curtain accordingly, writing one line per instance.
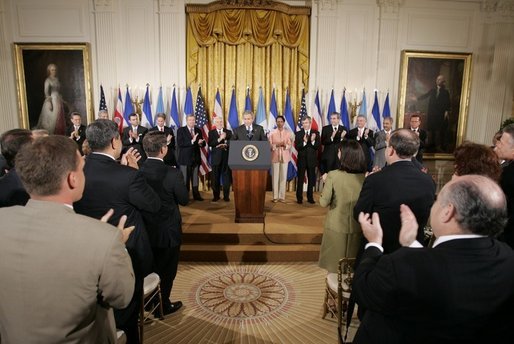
(248, 46)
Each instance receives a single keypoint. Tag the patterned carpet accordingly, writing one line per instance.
(247, 303)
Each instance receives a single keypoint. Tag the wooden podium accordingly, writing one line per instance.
(250, 162)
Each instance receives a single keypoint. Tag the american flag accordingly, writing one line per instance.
(203, 122)
(103, 104)
(303, 111)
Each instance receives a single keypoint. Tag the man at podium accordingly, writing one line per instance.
(249, 131)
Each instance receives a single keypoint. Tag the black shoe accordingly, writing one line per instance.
(226, 199)
(299, 201)
(311, 201)
(168, 309)
(215, 199)
(197, 197)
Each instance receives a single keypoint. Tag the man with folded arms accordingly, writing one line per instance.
(459, 291)
(61, 272)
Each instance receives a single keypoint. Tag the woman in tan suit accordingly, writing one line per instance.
(342, 234)
(281, 141)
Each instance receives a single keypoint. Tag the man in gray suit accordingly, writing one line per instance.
(249, 131)
(381, 139)
(61, 272)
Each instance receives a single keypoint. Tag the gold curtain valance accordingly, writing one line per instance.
(257, 27)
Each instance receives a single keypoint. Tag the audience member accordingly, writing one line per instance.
(61, 272)
(474, 158)
(364, 136)
(76, 131)
(342, 235)
(160, 125)
(381, 139)
(37, 133)
(459, 291)
(281, 141)
(415, 122)
(165, 226)
(505, 151)
(307, 142)
(132, 136)
(331, 137)
(103, 114)
(190, 139)
(124, 189)
(400, 182)
(219, 139)
(249, 131)
(12, 191)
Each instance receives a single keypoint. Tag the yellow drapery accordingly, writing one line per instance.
(265, 44)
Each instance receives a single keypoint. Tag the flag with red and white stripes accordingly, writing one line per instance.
(202, 121)
(118, 113)
(218, 111)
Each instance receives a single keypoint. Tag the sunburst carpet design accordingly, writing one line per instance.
(247, 303)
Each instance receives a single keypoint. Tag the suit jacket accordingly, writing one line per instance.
(124, 189)
(461, 291)
(165, 227)
(331, 147)
(366, 143)
(219, 156)
(137, 145)
(422, 142)
(82, 135)
(12, 191)
(308, 153)
(507, 185)
(189, 152)
(169, 159)
(241, 134)
(384, 192)
(277, 137)
(380, 146)
(437, 106)
(60, 274)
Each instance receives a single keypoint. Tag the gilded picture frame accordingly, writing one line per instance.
(53, 80)
(435, 86)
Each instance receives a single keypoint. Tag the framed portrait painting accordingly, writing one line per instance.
(435, 87)
(53, 80)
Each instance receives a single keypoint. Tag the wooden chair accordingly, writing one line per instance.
(338, 288)
(152, 299)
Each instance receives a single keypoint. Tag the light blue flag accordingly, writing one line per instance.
(375, 111)
(260, 117)
(233, 117)
(129, 107)
(248, 101)
(160, 102)
(363, 110)
(174, 118)
(331, 106)
(345, 117)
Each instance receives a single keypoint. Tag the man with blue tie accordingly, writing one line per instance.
(249, 131)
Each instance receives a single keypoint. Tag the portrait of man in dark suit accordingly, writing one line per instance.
(249, 131)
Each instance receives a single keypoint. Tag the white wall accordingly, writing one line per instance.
(354, 44)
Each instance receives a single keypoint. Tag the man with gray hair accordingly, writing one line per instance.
(459, 291)
(110, 185)
(398, 183)
(364, 136)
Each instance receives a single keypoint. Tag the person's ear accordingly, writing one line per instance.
(72, 180)
(448, 212)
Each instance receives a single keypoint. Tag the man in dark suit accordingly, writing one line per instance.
(459, 291)
(160, 121)
(190, 139)
(307, 142)
(110, 185)
(415, 122)
(505, 151)
(437, 113)
(249, 131)
(164, 227)
(400, 182)
(12, 191)
(133, 136)
(364, 136)
(219, 139)
(331, 137)
(76, 131)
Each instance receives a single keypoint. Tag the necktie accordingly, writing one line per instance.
(161, 129)
(192, 131)
(219, 132)
(335, 128)
(307, 133)
(437, 93)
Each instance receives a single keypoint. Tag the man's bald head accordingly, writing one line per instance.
(479, 203)
(404, 142)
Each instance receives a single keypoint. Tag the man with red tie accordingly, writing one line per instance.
(160, 121)
(415, 122)
(307, 142)
(190, 139)
(218, 141)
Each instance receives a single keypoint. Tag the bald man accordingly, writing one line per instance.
(459, 291)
